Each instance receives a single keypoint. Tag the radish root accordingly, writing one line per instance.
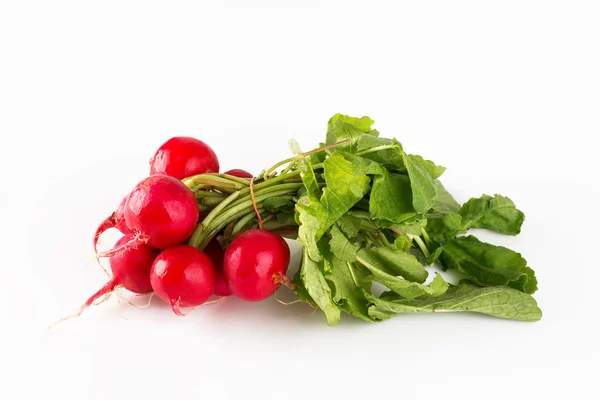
(215, 301)
(285, 281)
(136, 240)
(175, 305)
(287, 303)
(120, 294)
(105, 292)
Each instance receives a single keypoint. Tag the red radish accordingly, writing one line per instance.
(255, 263)
(115, 220)
(183, 276)
(240, 173)
(214, 250)
(221, 287)
(182, 157)
(130, 267)
(162, 211)
(120, 222)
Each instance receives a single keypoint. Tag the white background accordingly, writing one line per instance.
(505, 94)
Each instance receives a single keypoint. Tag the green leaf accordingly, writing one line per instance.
(397, 262)
(444, 202)
(274, 204)
(403, 243)
(318, 157)
(347, 281)
(434, 170)
(362, 165)
(433, 257)
(345, 187)
(387, 152)
(487, 264)
(497, 214)
(350, 225)
(497, 301)
(317, 288)
(308, 215)
(412, 226)
(285, 217)
(422, 186)
(385, 274)
(444, 226)
(341, 247)
(300, 289)
(294, 146)
(310, 180)
(341, 127)
(391, 198)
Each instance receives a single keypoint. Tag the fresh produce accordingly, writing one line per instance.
(162, 210)
(130, 267)
(240, 173)
(183, 276)
(377, 227)
(115, 220)
(183, 156)
(252, 261)
(216, 254)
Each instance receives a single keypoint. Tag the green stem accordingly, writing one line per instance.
(377, 148)
(283, 186)
(212, 180)
(211, 201)
(243, 222)
(206, 237)
(206, 193)
(302, 155)
(374, 238)
(218, 209)
(383, 238)
(288, 168)
(426, 236)
(421, 245)
(271, 182)
(351, 270)
(204, 231)
(243, 181)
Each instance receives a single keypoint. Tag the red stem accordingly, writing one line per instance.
(109, 287)
(109, 222)
(132, 243)
(175, 307)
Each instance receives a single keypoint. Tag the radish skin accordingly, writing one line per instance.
(240, 173)
(182, 157)
(255, 263)
(115, 220)
(216, 253)
(183, 276)
(130, 268)
(162, 211)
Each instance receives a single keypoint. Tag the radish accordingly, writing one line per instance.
(115, 220)
(214, 250)
(255, 263)
(182, 157)
(183, 276)
(221, 287)
(162, 211)
(130, 267)
(240, 173)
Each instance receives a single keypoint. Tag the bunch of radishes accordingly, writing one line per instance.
(159, 216)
